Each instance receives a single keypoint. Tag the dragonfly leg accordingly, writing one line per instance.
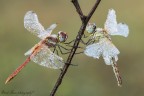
(67, 43)
(91, 42)
(79, 52)
(63, 47)
(68, 50)
(73, 46)
(59, 47)
(84, 36)
(83, 42)
(55, 50)
(86, 43)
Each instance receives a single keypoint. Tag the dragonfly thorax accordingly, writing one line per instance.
(91, 27)
(100, 34)
(51, 41)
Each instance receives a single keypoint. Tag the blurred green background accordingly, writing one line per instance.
(91, 77)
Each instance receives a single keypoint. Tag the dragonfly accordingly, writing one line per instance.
(104, 46)
(41, 53)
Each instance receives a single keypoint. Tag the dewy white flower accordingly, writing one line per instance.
(104, 47)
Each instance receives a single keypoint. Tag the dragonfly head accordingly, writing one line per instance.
(62, 36)
(91, 27)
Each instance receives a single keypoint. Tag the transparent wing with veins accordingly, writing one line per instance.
(45, 57)
(103, 48)
(111, 23)
(32, 24)
(48, 31)
(123, 29)
(112, 27)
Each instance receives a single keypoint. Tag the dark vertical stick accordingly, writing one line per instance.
(85, 20)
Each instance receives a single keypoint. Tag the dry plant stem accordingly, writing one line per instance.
(84, 20)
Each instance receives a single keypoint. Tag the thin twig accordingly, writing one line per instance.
(85, 20)
(78, 9)
(93, 10)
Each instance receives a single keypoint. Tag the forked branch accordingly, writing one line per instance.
(78, 9)
(84, 20)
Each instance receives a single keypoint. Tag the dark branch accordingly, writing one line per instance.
(93, 10)
(78, 9)
(85, 20)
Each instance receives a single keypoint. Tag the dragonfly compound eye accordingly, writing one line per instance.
(91, 27)
(62, 36)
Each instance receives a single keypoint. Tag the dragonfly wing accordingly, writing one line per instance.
(48, 31)
(48, 59)
(31, 23)
(51, 28)
(123, 30)
(109, 51)
(93, 50)
(29, 52)
(111, 23)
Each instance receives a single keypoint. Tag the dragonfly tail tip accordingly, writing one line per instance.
(6, 81)
(120, 85)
